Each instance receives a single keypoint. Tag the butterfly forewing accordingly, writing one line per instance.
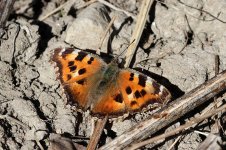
(78, 72)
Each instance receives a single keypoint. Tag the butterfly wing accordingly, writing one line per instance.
(78, 72)
(132, 92)
(139, 91)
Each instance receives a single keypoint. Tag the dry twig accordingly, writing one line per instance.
(105, 33)
(5, 10)
(179, 129)
(97, 133)
(203, 11)
(216, 125)
(84, 5)
(9, 118)
(117, 9)
(56, 10)
(138, 30)
(171, 146)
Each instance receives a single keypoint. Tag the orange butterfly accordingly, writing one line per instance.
(103, 88)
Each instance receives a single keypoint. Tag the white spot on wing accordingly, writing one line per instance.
(149, 80)
(75, 52)
(75, 74)
(161, 89)
(136, 75)
(89, 56)
(62, 50)
(130, 96)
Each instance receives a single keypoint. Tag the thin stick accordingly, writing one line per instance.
(138, 30)
(203, 11)
(202, 133)
(97, 133)
(117, 9)
(87, 3)
(39, 145)
(179, 129)
(5, 10)
(9, 118)
(62, 6)
(105, 33)
(171, 146)
(174, 110)
(55, 10)
(216, 125)
(206, 110)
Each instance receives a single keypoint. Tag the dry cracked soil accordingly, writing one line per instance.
(179, 44)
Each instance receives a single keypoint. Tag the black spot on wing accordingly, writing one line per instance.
(90, 60)
(128, 90)
(66, 52)
(81, 71)
(137, 94)
(131, 77)
(118, 98)
(82, 81)
(72, 68)
(70, 63)
(68, 77)
(81, 56)
(143, 92)
(133, 103)
(142, 80)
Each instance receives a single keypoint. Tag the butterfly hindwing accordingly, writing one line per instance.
(139, 91)
(77, 72)
(111, 103)
(131, 92)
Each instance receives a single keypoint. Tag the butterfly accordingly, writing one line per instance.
(105, 89)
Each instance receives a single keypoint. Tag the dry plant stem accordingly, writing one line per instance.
(215, 97)
(179, 129)
(5, 10)
(9, 118)
(115, 8)
(174, 110)
(62, 6)
(86, 4)
(138, 30)
(39, 145)
(55, 10)
(105, 33)
(171, 146)
(202, 133)
(206, 110)
(97, 133)
(203, 11)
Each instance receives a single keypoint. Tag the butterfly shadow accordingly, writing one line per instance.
(175, 91)
(115, 33)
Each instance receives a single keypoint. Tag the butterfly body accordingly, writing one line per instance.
(105, 89)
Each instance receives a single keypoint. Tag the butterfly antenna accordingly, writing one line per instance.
(116, 58)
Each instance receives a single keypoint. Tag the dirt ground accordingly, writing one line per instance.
(180, 43)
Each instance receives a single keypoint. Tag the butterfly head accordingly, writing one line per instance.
(118, 61)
